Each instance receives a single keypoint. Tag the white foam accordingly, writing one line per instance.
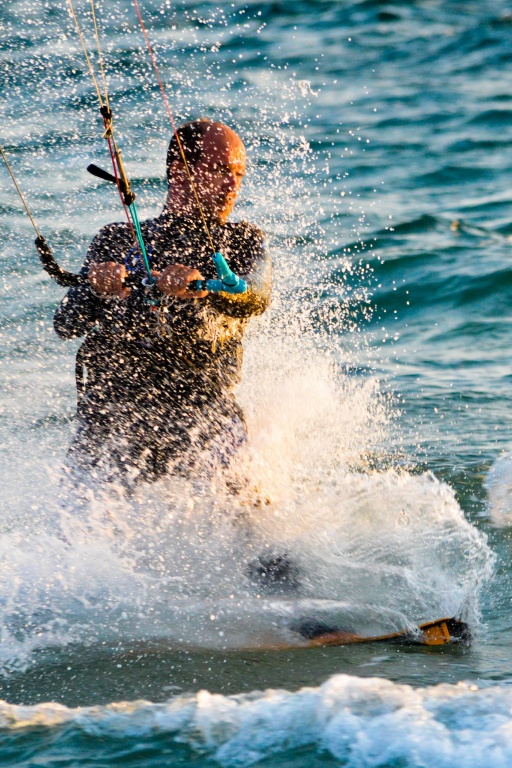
(498, 484)
(363, 723)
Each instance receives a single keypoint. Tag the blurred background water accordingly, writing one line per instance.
(377, 390)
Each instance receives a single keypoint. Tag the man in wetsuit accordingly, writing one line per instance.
(156, 380)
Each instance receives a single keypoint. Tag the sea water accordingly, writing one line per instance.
(376, 389)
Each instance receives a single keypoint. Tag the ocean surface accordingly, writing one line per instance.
(377, 388)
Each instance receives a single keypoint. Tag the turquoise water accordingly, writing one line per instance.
(377, 391)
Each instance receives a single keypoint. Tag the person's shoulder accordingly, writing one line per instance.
(110, 234)
(112, 240)
(245, 231)
(117, 229)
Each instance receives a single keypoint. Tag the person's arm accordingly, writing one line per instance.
(76, 314)
(250, 261)
(80, 308)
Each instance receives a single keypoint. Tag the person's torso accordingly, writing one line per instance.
(141, 342)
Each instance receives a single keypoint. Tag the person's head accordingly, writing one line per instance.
(215, 156)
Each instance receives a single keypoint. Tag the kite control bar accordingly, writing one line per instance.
(228, 282)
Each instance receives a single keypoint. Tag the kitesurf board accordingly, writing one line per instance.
(276, 623)
(314, 634)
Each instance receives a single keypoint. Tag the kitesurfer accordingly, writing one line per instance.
(158, 368)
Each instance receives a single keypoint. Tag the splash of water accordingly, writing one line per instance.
(376, 550)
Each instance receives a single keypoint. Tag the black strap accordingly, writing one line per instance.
(80, 374)
(106, 176)
(61, 276)
(101, 174)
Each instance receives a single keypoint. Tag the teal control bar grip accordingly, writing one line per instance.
(228, 282)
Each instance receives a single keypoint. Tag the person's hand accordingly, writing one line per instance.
(107, 279)
(174, 281)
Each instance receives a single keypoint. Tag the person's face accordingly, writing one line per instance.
(219, 172)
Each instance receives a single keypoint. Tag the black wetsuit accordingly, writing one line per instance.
(159, 379)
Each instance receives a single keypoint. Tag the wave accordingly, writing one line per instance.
(430, 262)
(453, 175)
(492, 118)
(360, 723)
